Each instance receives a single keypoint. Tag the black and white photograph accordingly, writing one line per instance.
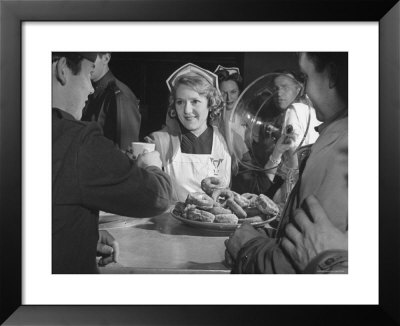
(209, 162)
(233, 163)
(199, 165)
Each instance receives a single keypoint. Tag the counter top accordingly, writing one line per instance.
(162, 244)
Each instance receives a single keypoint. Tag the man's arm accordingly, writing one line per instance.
(313, 242)
(312, 245)
(263, 256)
(255, 252)
(111, 182)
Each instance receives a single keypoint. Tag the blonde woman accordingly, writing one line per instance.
(191, 146)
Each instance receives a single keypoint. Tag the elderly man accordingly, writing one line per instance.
(288, 98)
(90, 174)
(323, 169)
(113, 105)
(297, 124)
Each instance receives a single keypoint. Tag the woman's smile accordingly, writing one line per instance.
(192, 109)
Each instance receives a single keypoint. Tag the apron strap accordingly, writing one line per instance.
(167, 145)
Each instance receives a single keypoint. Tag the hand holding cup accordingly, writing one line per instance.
(149, 159)
(138, 148)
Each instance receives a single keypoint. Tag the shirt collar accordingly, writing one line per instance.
(61, 114)
(189, 134)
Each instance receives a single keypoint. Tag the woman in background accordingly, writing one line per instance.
(231, 85)
(243, 179)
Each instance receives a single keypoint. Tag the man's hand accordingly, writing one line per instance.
(236, 241)
(149, 159)
(311, 235)
(107, 248)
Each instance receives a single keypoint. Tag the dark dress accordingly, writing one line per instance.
(90, 174)
(202, 144)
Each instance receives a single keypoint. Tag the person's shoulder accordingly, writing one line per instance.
(67, 119)
(339, 126)
(299, 107)
(67, 124)
(121, 89)
(214, 130)
(162, 133)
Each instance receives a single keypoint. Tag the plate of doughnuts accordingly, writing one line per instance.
(219, 208)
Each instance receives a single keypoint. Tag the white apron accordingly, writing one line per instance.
(187, 170)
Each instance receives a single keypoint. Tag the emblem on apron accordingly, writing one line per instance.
(216, 164)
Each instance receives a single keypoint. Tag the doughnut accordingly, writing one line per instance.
(187, 208)
(266, 205)
(200, 199)
(219, 210)
(179, 208)
(208, 185)
(200, 215)
(251, 197)
(252, 211)
(190, 206)
(236, 209)
(226, 218)
(253, 219)
(216, 204)
(224, 193)
(241, 201)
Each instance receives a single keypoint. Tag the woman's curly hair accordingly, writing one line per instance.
(204, 88)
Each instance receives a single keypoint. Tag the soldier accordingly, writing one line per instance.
(113, 105)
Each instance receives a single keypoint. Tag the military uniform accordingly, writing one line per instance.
(116, 109)
(89, 174)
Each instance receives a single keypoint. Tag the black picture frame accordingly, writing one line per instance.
(13, 13)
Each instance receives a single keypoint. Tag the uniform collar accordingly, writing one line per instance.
(104, 81)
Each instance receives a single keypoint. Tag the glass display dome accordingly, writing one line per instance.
(255, 123)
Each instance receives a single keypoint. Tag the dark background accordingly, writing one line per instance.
(146, 73)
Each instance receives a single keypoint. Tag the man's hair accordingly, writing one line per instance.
(73, 60)
(339, 62)
(101, 54)
(297, 76)
(298, 80)
(204, 88)
(223, 75)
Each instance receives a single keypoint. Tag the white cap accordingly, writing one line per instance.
(230, 70)
(191, 69)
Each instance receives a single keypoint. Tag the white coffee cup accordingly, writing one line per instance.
(138, 148)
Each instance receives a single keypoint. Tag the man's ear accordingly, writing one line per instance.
(106, 58)
(61, 67)
(333, 75)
